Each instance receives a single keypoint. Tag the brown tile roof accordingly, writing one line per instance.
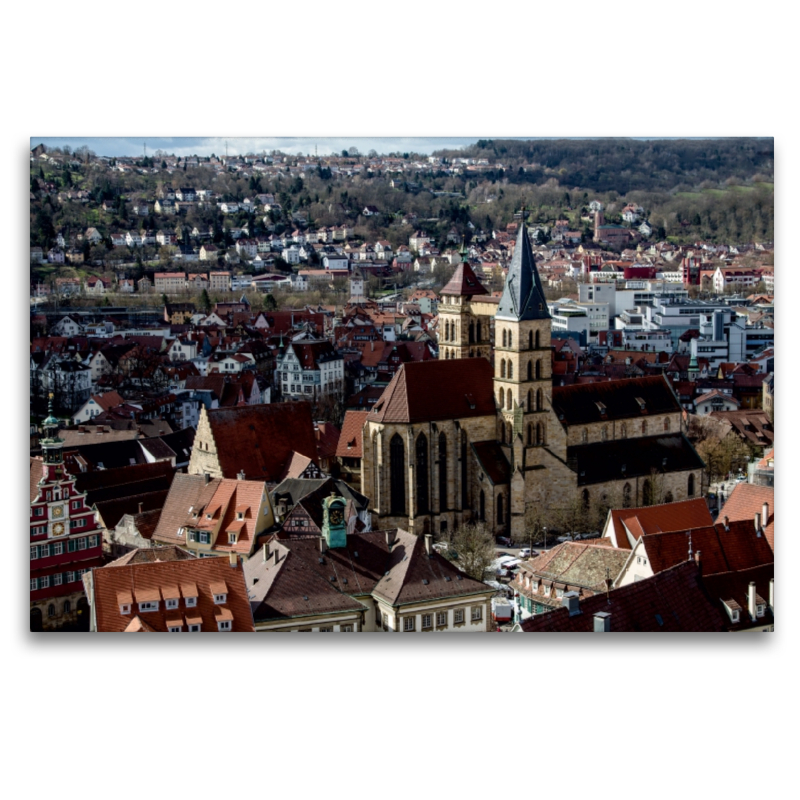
(260, 439)
(112, 511)
(578, 564)
(150, 579)
(466, 391)
(732, 588)
(671, 601)
(350, 444)
(578, 404)
(493, 461)
(327, 439)
(745, 501)
(655, 519)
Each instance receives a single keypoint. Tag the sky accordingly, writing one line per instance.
(205, 146)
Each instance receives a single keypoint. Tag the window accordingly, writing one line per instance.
(191, 602)
(477, 613)
(72, 545)
(175, 629)
(231, 538)
(34, 552)
(82, 543)
(34, 584)
(70, 577)
(204, 537)
(224, 625)
(441, 619)
(94, 541)
(44, 582)
(220, 598)
(458, 615)
(427, 621)
(760, 611)
(125, 608)
(510, 370)
(194, 628)
(57, 579)
(58, 548)
(67, 606)
(346, 628)
(149, 606)
(408, 624)
(172, 603)
(422, 474)
(397, 473)
(691, 486)
(326, 629)
(51, 610)
(76, 504)
(38, 512)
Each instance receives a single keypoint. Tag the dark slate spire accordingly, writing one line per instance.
(523, 295)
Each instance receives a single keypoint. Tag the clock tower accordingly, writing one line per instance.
(334, 525)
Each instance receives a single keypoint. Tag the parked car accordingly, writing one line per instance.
(504, 541)
(524, 553)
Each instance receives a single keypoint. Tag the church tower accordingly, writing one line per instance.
(462, 334)
(522, 369)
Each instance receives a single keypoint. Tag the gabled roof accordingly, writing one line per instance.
(657, 519)
(155, 579)
(466, 390)
(350, 444)
(671, 601)
(578, 564)
(581, 404)
(260, 439)
(523, 296)
(745, 501)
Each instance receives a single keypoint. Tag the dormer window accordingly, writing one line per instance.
(219, 599)
(240, 515)
(734, 616)
(760, 611)
(174, 629)
(191, 602)
(125, 608)
(231, 538)
(208, 516)
(224, 625)
(172, 603)
(151, 605)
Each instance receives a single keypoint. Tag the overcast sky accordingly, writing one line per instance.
(183, 146)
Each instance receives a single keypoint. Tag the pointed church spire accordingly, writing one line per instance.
(523, 295)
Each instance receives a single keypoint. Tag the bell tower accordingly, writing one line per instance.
(462, 334)
(522, 366)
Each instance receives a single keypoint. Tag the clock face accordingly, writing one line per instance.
(336, 516)
(58, 511)
(58, 529)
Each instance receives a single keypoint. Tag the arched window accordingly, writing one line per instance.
(644, 427)
(539, 433)
(530, 340)
(530, 370)
(482, 508)
(500, 516)
(626, 496)
(530, 433)
(604, 433)
(509, 338)
(508, 399)
(376, 466)
(647, 493)
(539, 400)
(442, 472)
(464, 484)
(500, 397)
(397, 465)
(585, 436)
(530, 400)
(623, 431)
(537, 340)
(510, 369)
(509, 432)
(666, 423)
(478, 331)
(51, 610)
(503, 433)
(423, 498)
(502, 368)
(691, 486)
(585, 498)
(471, 333)
(504, 338)
(538, 370)
(67, 606)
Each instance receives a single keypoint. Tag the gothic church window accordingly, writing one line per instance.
(530, 370)
(442, 472)
(510, 369)
(397, 460)
(538, 370)
(691, 486)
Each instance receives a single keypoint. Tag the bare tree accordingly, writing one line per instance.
(472, 547)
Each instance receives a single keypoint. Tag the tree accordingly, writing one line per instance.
(205, 301)
(269, 303)
(473, 546)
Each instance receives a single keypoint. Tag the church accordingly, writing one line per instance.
(482, 434)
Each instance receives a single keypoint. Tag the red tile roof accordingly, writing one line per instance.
(464, 283)
(465, 389)
(679, 516)
(149, 581)
(260, 439)
(671, 601)
(350, 443)
(745, 501)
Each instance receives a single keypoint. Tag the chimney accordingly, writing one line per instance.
(206, 477)
(772, 595)
(234, 559)
(240, 475)
(764, 515)
(265, 550)
(725, 523)
(390, 537)
(429, 544)
(571, 600)
(757, 522)
(323, 544)
(275, 556)
(697, 558)
(751, 600)
(602, 622)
